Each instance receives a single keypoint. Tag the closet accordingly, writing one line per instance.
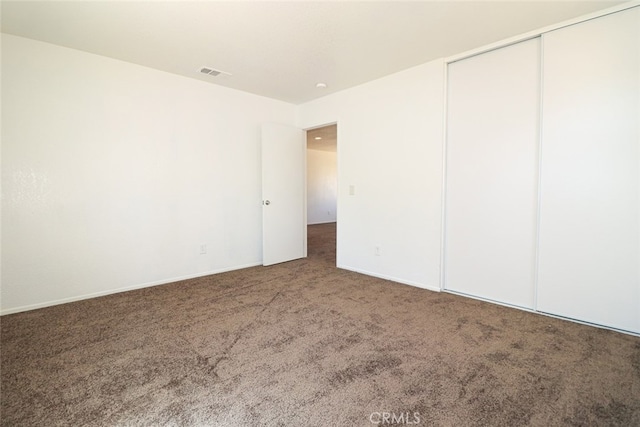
(542, 183)
(492, 167)
(589, 267)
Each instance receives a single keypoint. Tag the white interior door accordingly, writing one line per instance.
(492, 171)
(284, 231)
(589, 265)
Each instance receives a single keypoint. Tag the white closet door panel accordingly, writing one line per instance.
(589, 253)
(492, 170)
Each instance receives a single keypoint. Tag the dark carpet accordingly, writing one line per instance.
(306, 344)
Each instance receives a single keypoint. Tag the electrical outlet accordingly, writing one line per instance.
(203, 249)
(376, 251)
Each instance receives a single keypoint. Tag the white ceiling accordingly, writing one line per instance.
(282, 49)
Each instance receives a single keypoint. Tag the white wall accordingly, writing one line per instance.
(390, 151)
(322, 186)
(114, 175)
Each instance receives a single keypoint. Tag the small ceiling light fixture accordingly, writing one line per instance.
(321, 85)
(318, 138)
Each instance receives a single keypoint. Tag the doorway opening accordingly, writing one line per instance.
(322, 192)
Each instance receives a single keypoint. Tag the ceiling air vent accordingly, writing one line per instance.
(212, 71)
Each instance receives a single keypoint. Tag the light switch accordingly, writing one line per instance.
(352, 190)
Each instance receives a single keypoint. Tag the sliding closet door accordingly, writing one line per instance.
(589, 265)
(491, 174)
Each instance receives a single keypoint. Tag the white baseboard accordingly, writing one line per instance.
(323, 222)
(123, 289)
(531, 310)
(393, 279)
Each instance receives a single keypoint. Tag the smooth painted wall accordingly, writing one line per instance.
(322, 186)
(115, 175)
(390, 157)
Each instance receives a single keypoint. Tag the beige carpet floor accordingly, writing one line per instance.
(305, 344)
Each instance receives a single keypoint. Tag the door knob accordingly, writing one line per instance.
(266, 202)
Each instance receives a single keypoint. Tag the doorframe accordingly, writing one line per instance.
(306, 129)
